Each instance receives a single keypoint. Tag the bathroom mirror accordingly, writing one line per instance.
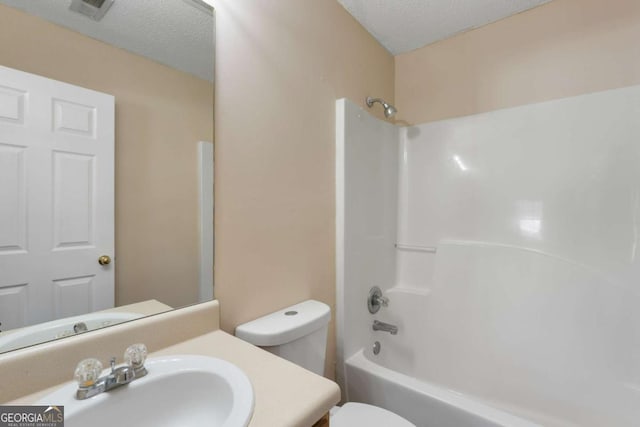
(106, 163)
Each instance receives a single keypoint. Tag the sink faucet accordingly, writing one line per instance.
(90, 383)
(116, 378)
(385, 327)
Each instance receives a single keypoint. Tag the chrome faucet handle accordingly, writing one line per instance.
(375, 300)
(135, 355)
(383, 300)
(87, 372)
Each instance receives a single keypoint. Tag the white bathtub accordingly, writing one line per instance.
(479, 348)
(422, 403)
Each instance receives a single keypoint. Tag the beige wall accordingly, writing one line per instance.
(161, 113)
(280, 66)
(564, 48)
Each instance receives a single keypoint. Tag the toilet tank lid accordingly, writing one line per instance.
(285, 325)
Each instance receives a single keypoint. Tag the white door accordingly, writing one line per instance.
(56, 199)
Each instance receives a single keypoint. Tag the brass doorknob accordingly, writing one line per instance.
(104, 260)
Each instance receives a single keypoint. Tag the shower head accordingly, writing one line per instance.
(389, 110)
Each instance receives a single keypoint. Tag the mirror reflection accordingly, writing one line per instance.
(106, 163)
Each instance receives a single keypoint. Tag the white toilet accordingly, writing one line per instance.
(299, 334)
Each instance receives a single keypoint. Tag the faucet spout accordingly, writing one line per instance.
(119, 376)
(385, 327)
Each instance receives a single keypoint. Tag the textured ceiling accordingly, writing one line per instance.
(173, 32)
(404, 25)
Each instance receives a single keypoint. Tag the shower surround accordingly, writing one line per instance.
(506, 243)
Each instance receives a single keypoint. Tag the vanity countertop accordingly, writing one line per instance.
(285, 394)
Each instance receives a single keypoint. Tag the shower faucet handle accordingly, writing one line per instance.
(376, 300)
(384, 301)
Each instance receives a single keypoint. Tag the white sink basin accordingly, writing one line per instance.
(178, 391)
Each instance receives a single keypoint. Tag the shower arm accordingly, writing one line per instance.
(371, 101)
(389, 110)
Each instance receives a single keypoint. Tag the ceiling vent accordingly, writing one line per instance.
(94, 9)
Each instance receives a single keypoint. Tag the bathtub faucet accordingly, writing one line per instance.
(386, 327)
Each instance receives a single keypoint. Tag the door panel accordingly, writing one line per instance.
(74, 118)
(56, 197)
(73, 200)
(13, 209)
(13, 306)
(72, 296)
(12, 103)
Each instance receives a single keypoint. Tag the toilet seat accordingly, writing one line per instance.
(360, 414)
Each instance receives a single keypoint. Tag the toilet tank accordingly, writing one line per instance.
(297, 333)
